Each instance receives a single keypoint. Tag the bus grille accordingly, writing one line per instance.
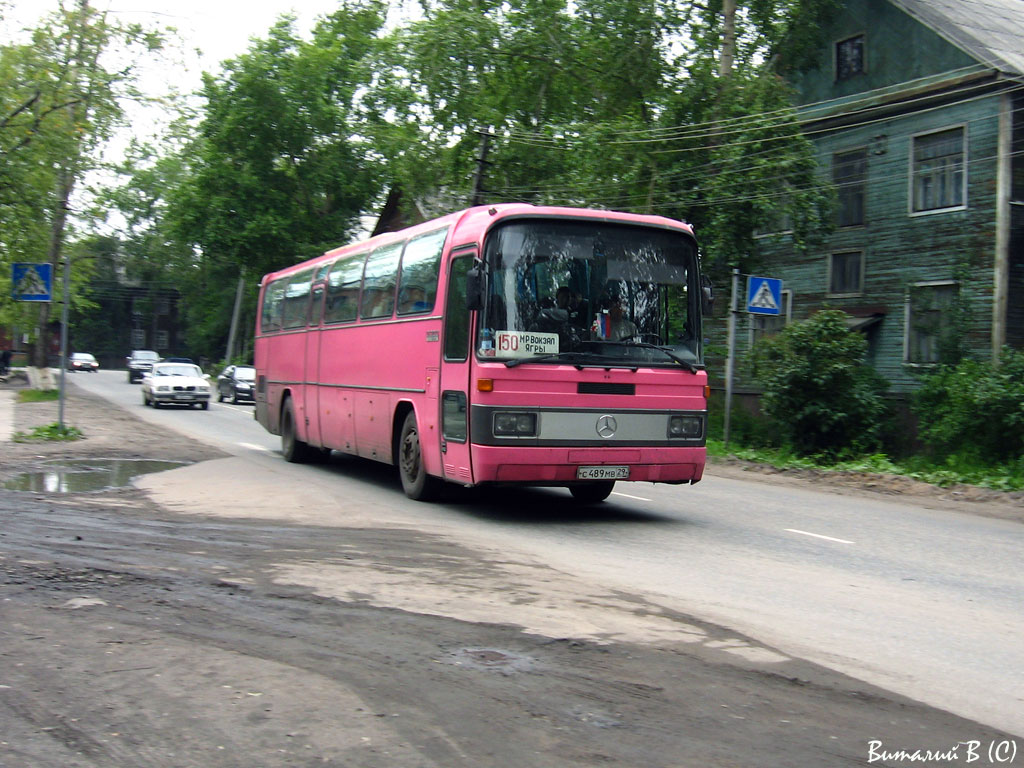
(605, 388)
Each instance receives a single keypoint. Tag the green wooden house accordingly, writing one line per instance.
(916, 109)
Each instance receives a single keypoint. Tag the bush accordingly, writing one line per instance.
(974, 410)
(818, 392)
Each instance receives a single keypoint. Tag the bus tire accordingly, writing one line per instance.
(416, 483)
(293, 449)
(592, 493)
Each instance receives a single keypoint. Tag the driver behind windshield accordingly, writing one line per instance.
(614, 326)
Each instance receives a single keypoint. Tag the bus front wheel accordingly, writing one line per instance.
(416, 483)
(294, 450)
(591, 493)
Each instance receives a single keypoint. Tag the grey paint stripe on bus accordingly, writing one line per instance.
(346, 386)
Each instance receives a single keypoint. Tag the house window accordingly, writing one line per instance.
(846, 273)
(849, 174)
(138, 338)
(938, 178)
(927, 321)
(850, 57)
(163, 306)
(161, 340)
(763, 326)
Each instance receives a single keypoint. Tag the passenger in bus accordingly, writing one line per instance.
(571, 302)
(413, 299)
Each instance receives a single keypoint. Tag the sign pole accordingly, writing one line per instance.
(732, 354)
(64, 342)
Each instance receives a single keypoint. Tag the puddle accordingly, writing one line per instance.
(77, 475)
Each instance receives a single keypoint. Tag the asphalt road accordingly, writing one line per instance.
(923, 602)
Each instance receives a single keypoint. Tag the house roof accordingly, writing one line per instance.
(992, 31)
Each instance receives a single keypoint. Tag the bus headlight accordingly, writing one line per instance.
(508, 424)
(686, 427)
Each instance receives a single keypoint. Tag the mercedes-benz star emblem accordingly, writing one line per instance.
(606, 426)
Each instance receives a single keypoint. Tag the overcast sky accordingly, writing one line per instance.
(220, 29)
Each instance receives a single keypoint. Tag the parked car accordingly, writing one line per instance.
(140, 362)
(83, 361)
(236, 382)
(176, 384)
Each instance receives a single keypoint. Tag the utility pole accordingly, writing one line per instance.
(234, 319)
(729, 362)
(481, 168)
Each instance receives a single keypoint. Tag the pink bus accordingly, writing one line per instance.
(505, 344)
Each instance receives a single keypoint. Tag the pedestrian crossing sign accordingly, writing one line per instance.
(31, 282)
(764, 295)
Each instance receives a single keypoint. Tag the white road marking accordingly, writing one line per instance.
(638, 498)
(254, 447)
(819, 536)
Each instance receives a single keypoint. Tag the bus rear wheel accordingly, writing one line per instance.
(294, 450)
(416, 483)
(591, 493)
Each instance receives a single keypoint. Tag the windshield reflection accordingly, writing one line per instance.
(591, 294)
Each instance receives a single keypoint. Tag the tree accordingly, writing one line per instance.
(61, 100)
(657, 107)
(278, 168)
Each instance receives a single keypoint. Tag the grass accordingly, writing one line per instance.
(47, 432)
(38, 395)
(954, 471)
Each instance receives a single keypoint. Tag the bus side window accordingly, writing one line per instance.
(421, 262)
(343, 289)
(296, 298)
(379, 279)
(273, 304)
(456, 316)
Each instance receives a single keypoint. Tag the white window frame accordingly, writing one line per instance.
(912, 189)
(907, 318)
(860, 278)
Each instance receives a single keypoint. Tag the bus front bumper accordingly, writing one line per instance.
(557, 466)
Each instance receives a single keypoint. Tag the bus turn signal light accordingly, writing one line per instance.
(485, 385)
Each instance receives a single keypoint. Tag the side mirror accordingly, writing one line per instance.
(475, 288)
(707, 296)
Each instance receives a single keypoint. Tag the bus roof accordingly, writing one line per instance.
(472, 223)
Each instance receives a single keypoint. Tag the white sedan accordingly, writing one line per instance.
(176, 384)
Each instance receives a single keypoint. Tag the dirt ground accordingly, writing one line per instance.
(134, 636)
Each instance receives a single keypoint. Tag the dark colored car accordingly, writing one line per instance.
(236, 382)
(140, 362)
(83, 361)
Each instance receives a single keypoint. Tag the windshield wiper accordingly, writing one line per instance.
(691, 367)
(537, 358)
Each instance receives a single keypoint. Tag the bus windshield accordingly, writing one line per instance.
(590, 294)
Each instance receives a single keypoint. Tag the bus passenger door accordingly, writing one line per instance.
(456, 367)
(311, 385)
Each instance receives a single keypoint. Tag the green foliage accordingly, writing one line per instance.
(38, 395)
(974, 411)
(818, 392)
(49, 432)
(998, 477)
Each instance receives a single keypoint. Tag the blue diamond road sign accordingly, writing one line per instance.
(31, 282)
(764, 295)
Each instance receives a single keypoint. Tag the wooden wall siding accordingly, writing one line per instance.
(898, 49)
(901, 249)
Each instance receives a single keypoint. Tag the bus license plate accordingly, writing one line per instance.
(602, 473)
